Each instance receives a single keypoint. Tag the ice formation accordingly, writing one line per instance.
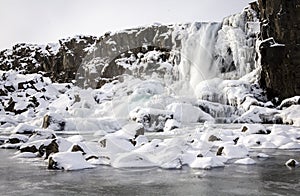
(157, 104)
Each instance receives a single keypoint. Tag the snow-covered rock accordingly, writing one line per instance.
(206, 163)
(68, 161)
(187, 113)
(245, 161)
(292, 163)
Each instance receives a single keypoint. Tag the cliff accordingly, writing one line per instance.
(93, 61)
(280, 47)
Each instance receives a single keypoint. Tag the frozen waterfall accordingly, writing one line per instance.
(197, 53)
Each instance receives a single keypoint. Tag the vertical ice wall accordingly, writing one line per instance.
(219, 50)
(197, 53)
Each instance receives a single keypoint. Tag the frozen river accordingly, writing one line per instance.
(267, 177)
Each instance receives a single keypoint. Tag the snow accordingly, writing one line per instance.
(262, 155)
(187, 113)
(291, 115)
(171, 124)
(245, 161)
(206, 163)
(159, 113)
(24, 128)
(235, 151)
(70, 161)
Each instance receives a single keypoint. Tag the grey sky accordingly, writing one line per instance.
(41, 21)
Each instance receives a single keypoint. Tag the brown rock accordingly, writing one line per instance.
(213, 138)
(220, 151)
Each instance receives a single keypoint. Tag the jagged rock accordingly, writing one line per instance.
(60, 61)
(49, 149)
(280, 56)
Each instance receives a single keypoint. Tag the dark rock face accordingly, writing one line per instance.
(60, 62)
(51, 148)
(72, 58)
(280, 54)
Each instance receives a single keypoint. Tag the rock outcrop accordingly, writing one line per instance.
(280, 48)
(58, 61)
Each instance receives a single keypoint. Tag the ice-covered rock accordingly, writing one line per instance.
(257, 114)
